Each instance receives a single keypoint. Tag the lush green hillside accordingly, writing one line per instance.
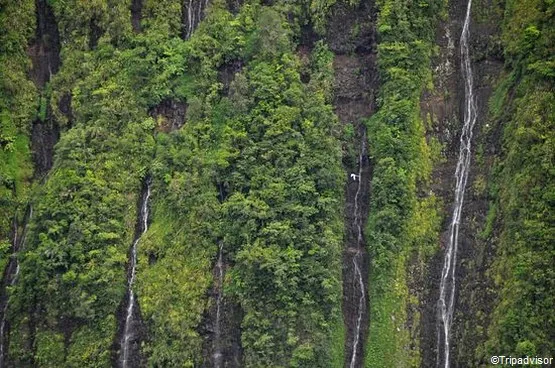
(524, 104)
(228, 113)
(401, 223)
(18, 107)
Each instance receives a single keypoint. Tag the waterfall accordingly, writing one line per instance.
(217, 326)
(357, 258)
(446, 300)
(361, 304)
(143, 227)
(192, 16)
(11, 278)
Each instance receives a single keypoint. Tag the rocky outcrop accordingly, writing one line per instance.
(169, 115)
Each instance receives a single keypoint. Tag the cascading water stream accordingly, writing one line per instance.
(18, 245)
(357, 258)
(218, 356)
(193, 16)
(143, 227)
(446, 300)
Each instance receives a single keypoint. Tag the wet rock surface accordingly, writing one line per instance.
(443, 110)
(351, 37)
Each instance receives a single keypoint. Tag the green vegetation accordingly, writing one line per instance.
(400, 223)
(255, 169)
(18, 105)
(524, 186)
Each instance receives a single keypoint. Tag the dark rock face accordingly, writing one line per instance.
(443, 109)
(136, 10)
(351, 30)
(94, 32)
(234, 5)
(64, 106)
(226, 74)
(44, 135)
(351, 37)
(221, 324)
(169, 115)
(44, 53)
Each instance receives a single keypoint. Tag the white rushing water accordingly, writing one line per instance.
(217, 327)
(448, 275)
(125, 344)
(194, 16)
(18, 244)
(357, 258)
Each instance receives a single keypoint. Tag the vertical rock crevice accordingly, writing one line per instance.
(351, 36)
(222, 321)
(44, 53)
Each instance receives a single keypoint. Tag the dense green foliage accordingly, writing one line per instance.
(254, 170)
(524, 185)
(281, 217)
(399, 222)
(18, 105)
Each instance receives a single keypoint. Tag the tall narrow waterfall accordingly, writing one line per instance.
(218, 356)
(446, 300)
(128, 332)
(358, 258)
(193, 12)
(11, 275)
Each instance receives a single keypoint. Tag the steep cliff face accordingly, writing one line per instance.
(276, 183)
(351, 38)
(443, 107)
(483, 245)
(44, 53)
